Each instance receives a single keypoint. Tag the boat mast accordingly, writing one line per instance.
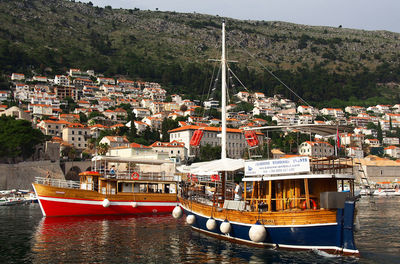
(223, 91)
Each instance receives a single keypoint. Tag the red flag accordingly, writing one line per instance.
(337, 139)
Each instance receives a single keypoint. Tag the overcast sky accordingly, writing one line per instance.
(358, 14)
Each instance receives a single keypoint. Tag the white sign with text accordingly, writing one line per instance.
(277, 166)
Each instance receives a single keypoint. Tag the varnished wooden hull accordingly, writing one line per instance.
(325, 230)
(56, 201)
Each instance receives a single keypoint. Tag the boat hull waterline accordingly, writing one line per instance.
(329, 237)
(60, 204)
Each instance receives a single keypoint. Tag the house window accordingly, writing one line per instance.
(73, 139)
(73, 132)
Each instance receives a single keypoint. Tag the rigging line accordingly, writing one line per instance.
(237, 78)
(211, 81)
(209, 88)
(228, 85)
(276, 77)
(212, 93)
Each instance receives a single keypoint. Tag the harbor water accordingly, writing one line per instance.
(27, 237)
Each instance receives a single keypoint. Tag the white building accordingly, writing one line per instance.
(176, 150)
(17, 113)
(4, 95)
(61, 80)
(355, 152)
(115, 141)
(392, 151)
(316, 149)
(390, 141)
(40, 78)
(236, 144)
(17, 77)
(76, 135)
(211, 104)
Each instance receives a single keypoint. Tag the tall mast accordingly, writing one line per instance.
(223, 91)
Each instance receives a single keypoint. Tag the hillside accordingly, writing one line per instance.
(319, 63)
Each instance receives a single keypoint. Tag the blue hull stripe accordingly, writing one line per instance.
(323, 237)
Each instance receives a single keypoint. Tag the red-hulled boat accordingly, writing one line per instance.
(134, 190)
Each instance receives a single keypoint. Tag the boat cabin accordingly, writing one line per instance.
(323, 187)
(94, 181)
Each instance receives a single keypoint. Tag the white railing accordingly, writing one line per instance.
(129, 175)
(58, 182)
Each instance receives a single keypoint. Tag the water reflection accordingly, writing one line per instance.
(162, 239)
(26, 237)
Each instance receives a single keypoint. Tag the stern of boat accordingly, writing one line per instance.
(345, 228)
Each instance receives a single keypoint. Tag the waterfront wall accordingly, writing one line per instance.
(382, 173)
(21, 175)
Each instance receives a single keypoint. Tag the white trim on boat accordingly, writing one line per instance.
(230, 237)
(281, 245)
(41, 207)
(127, 203)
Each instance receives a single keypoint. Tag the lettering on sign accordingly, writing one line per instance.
(277, 166)
(268, 222)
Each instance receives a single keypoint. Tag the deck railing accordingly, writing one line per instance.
(149, 176)
(58, 182)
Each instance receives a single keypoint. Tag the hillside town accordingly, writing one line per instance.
(74, 110)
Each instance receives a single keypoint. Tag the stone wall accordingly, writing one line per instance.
(382, 173)
(21, 175)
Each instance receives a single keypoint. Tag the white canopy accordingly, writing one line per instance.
(129, 159)
(213, 167)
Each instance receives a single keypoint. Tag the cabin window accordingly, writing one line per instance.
(125, 187)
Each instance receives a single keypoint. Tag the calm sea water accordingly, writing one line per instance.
(27, 237)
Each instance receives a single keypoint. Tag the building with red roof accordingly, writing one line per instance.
(236, 144)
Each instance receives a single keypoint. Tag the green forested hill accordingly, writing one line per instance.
(319, 63)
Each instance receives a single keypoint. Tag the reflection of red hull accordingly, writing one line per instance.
(73, 202)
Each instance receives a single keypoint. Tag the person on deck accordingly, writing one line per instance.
(238, 192)
(112, 170)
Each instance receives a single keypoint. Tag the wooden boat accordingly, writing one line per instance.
(130, 191)
(291, 203)
(301, 210)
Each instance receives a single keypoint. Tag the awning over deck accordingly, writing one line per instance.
(323, 130)
(300, 176)
(117, 159)
(213, 167)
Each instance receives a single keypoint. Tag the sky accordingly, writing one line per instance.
(357, 14)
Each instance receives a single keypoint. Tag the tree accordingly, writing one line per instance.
(18, 138)
(167, 125)
(244, 106)
(69, 152)
(209, 152)
(95, 114)
(103, 148)
(71, 105)
(83, 118)
(183, 108)
(380, 133)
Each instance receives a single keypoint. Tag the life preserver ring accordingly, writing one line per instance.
(135, 175)
(314, 205)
